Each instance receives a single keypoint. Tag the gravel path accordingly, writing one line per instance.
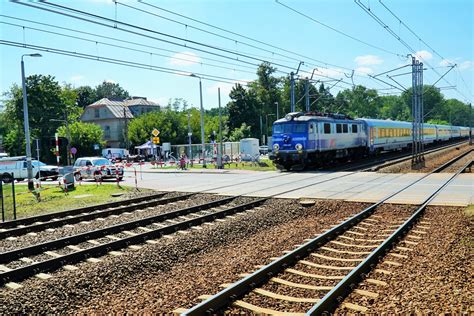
(64, 231)
(432, 160)
(174, 272)
(436, 278)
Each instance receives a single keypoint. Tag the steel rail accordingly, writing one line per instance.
(452, 161)
(98, 233)
(334, 298)
(238, 289)
(55, 263)
(408, 155)
(17, 231)
(73, 212)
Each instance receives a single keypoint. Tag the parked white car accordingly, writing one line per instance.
(89, 167)
(17, 166)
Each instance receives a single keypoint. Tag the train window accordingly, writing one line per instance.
(311, 128)
(327, 128)
(338, 128)
(345, 128)
(354, 128)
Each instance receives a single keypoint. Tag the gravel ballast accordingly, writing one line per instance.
(436, 278)
(174, 272)
(432, 160)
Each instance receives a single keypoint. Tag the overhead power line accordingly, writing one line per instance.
(370, 12)
(337, 31)
(122, 62)
(306, 58)
(121, 47)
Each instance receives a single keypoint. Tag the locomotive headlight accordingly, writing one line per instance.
(288, 117)
(276, 147)
(299, 147)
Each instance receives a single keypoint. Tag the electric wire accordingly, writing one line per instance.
(336, 30)
(122, 62)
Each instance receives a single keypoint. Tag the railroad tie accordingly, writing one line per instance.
(50, 230)
(346, 251)
(75, 248)
(366, 293)
(94, 242)
(53, 254)
(13, 285)
(392, 263)
(93, 260)
(262, 311)
(127, 232)
(317, 255)
(32, 234)
(286, 297)
(397, 255)
(136, 247)
(115, 253)
(316, 265)
(353, 245)
(4, 268)
(112, 237)
(11, 238)
(145, 229)
(382, 271)
(43, 276)
(27, 260)
(376, 282)
(354, 233)
(314, 276)
(69, 267)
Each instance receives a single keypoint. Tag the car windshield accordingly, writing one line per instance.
(101, 162)
(289, 128)
(37, 163)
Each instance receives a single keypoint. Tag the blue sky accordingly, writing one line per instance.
(447, 26)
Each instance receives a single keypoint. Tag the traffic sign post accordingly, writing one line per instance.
(7, 179)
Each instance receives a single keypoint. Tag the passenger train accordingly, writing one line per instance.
(302, 139)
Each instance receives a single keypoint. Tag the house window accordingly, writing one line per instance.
(354, 128)
(327, 128)
(107, 132)
(345, 128)
(96, 113)
(339, 128)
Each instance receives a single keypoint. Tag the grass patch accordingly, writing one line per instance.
(469, 211)
(53, 198)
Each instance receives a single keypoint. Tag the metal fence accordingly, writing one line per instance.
(230, 150)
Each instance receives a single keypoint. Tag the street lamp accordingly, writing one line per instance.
(202, 120)
(26, 122)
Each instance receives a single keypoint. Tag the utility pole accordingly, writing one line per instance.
(418, 158)
(470, 124)
(261, 130)
(68, 132)
(219, 154)
(306, 93)
(38, 158)
(292, 92)
(125, 130)
(189, 136)
(292, 87)
(27, 123)
(278, 110)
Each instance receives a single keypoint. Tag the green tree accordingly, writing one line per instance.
(243, 108)
(433, 102)
(237, 134)
(46, 101)
(85, 96)
(110, 90)
(83, 137)
(394, 108)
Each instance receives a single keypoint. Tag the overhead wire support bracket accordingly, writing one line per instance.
(451, 68)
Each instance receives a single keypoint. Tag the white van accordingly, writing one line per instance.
(3, 155)
(17, 166)
(115, 153)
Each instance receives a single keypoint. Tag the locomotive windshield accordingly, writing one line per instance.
(290, 128)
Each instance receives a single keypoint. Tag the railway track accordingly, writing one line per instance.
(315, 277)
(392, 159)
(20, 263)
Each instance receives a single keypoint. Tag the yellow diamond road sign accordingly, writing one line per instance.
(155, 132)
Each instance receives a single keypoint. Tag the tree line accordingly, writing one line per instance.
(249, 113)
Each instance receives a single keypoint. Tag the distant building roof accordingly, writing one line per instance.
(129, 102)
(118, 111)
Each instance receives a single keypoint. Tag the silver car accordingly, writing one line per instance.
(89, 167)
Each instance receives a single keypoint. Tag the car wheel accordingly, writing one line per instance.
(77, 177)
(54, 178)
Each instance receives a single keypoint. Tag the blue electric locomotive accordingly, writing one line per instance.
(302, 139)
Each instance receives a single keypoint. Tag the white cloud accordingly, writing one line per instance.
(446, 62)
(368, 60)
(162, 101)
(465, 65)
(110, 81)
(365, 70)
(184, 59)
(423, 54)
(76, 78)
